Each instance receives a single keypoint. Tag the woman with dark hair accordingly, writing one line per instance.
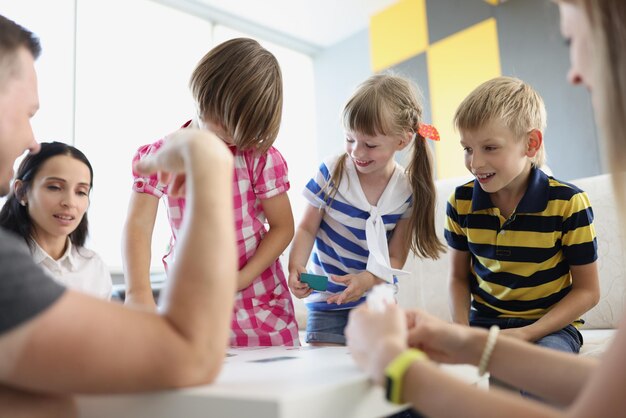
(48, 209)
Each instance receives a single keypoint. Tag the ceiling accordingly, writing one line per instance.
(314, 24)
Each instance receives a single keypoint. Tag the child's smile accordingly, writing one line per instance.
(496, 157)
(372, 153)
(361, 163)
(484, 178)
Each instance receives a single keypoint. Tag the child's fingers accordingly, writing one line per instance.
(302, 293)
(340, 279)
(303, 287)
(296, 283)
(299, 289)
(345, 297)
(338, 299)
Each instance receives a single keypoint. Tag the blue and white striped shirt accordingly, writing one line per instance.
(340, 244)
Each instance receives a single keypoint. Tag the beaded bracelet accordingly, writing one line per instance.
(489, 346)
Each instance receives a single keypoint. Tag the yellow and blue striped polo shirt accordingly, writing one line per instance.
(520, 266)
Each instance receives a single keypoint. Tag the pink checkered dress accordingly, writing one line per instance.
(263, 314)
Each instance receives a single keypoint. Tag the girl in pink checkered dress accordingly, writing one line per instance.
(237, 87)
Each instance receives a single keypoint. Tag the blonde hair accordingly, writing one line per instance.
(389, 105)
(238, 84)
(508, 100)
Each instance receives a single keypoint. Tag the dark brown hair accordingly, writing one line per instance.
(12, 38)
(15, 217)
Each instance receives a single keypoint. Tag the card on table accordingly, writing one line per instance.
(272, 359)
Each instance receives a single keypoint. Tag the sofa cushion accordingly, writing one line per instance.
(596, 341)
(611, 255)
(427, 285)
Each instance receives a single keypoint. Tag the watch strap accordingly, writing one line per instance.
(395, 371)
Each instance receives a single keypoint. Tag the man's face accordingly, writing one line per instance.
(19, 101)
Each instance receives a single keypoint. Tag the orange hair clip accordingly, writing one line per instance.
(429, 131)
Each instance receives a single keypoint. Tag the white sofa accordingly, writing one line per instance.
(427, 286)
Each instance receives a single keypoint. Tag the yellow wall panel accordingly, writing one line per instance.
(457, 65)
(398, 33)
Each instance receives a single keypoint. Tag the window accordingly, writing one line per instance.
(114, 75)
(134, 59)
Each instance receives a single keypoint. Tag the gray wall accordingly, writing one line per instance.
(531, 48)
(338, 71)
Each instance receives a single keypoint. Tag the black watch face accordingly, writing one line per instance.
(388, 388)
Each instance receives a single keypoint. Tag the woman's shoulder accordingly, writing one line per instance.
(86, 254)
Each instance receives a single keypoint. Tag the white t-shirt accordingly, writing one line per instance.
(78, 268)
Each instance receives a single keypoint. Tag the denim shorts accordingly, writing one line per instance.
(568, 339)
(326, 326)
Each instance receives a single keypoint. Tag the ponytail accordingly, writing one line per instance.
(422, 237)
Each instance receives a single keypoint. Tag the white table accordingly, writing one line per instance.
(312, 382)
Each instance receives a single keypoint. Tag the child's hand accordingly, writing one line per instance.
(357, 284)
(299, 289)
(442, 341)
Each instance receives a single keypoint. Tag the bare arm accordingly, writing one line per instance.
(554, 375)
(136, 248)
(375, 339)
(280, 219)
(398, 250)
(441, 387)
(584, 295)
(301, 249)
(74, 346)
(460, 297)
(20, 404)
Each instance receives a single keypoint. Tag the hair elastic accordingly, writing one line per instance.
(428, 131)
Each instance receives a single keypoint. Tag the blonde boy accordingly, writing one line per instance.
(523, 246)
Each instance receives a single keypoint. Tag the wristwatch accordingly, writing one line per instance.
(395, 371)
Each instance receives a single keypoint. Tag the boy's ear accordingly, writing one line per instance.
(535, 139)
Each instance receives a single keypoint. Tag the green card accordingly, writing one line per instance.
(315, 281)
